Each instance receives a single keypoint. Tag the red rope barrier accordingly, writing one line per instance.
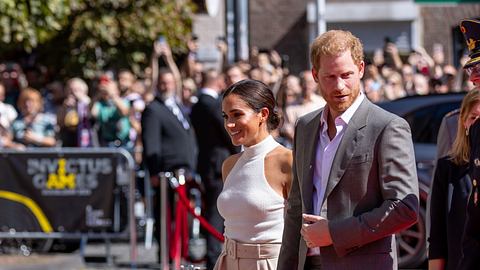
(183, 198)
(179, 243)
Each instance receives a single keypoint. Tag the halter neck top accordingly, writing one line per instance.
(252, 210)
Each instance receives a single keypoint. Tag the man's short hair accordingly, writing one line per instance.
(209, 76)
(335, 42)
(162, 72)
(125, 70)
(81, 84)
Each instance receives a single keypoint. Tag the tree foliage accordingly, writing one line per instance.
(82, 37)
(26, 23)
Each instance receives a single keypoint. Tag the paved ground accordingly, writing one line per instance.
(95, 259)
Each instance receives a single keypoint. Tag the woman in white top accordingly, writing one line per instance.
(256, 181)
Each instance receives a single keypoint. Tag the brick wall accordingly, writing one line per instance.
(281, 25)
(439, 22)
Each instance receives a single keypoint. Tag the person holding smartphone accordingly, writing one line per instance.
(110, 112)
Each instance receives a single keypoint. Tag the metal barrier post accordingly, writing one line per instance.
(83, 245)
(132, 223)
(164, 262)
(148, 210)
(131, 207)
(108, 251)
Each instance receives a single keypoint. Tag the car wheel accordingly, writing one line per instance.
(411, 244)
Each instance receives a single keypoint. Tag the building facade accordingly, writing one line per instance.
(283, 25)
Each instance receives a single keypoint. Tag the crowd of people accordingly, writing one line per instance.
(107, 111)
(337, 199)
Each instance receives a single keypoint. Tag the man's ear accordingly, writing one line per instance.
(314, 74)
(361, 69)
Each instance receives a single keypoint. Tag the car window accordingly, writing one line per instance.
(426, 121)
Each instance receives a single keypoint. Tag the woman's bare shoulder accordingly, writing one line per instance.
(280, 162)
(228, 164)
(282, 154)
(281, 158)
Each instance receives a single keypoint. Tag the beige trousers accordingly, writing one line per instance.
(240, 256)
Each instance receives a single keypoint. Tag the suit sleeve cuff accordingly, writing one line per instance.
(345, 234)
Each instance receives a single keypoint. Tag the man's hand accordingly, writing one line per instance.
(80, 96)
(161, 49)
(31, 137)
(391, 49)
(222, 46)
(315, 231)
(110, 88)
(70, 100)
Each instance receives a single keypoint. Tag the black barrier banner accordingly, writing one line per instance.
(57, 192)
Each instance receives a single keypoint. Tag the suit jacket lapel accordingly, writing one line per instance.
(346, 149)
(311, 142)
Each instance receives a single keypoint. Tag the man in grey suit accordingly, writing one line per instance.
(354, 177)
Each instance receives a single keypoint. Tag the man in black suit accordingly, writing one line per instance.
(168, 138)
(214, 147)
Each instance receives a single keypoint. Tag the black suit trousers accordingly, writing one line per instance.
(213, 187)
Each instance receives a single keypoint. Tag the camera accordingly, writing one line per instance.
(104, 79)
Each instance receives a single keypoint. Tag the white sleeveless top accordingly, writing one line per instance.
(252, 210)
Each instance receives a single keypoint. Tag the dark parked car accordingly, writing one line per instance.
(424, 114)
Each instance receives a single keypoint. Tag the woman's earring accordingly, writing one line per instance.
(466, 132)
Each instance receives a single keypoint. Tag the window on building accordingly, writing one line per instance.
(201, 6)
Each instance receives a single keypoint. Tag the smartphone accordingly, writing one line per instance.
(387, 58)
(285, 60)
(437, 47)
(161, 39)
(263, 50)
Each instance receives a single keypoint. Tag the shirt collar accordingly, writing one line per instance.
(209, 92)
(170, 101)
(347, 115)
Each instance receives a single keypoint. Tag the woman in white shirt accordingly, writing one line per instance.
(256, 181)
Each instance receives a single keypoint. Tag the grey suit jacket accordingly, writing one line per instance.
(447, 133)
(372, 191)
